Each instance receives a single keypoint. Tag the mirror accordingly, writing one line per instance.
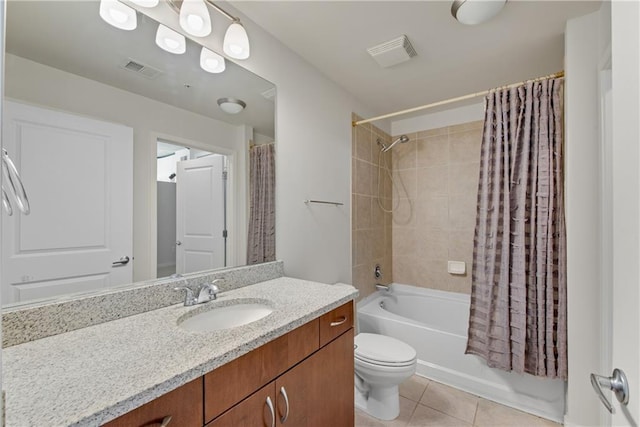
(91, 117)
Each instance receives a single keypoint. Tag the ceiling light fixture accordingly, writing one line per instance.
(231, 105)
(170, 40)
(211, 61)
(474, 12)
(118, 14)
(194, 18)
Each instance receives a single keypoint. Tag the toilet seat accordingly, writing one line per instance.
(382, 350)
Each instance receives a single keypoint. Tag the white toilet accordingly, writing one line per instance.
(381, 364)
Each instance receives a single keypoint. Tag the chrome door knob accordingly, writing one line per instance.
(178, 242)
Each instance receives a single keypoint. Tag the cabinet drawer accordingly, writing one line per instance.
(183, 405)
(254, 411)
(230, 383)
(336, 322)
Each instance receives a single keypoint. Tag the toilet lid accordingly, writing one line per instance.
(383, 350)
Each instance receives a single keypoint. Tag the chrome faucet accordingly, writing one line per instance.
(207, 292)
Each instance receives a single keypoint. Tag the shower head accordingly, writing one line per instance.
(402, 139)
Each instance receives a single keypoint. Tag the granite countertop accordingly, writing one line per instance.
(92, 375)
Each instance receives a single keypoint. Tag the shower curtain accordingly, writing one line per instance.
(261, 245)
(518, 309)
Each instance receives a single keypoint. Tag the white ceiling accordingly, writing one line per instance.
(71, 36)
(525, 40)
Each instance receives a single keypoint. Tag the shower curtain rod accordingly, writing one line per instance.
(559, 74)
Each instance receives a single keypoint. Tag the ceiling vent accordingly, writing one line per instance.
(141, 69)
(393, 52)
(270, 94)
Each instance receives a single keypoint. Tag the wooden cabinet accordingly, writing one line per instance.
(180, 407)
(317, 392)
(304, 378)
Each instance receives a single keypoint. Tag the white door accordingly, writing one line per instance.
(78, 174)
(200, 220)
(622, 233)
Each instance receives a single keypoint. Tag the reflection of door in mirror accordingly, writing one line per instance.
(192, 210)
(80, 225)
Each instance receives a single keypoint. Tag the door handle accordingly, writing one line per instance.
(617, 383)
(122, 261)
(178, 242)
(11, 178)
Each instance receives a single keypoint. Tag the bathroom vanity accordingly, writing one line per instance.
(293, 367)
(284, 382)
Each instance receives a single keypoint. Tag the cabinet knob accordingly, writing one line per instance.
(273, 412)
(283, 392)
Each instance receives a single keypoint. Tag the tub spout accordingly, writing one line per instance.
(382, 287)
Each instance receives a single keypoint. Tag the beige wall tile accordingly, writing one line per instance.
(404, 270)
(478, 124)
(433, 132)
(364, 144)
(433, 182)
(433, 151)
(406, 181)
(462, 212)
(363, 209)
(404, 155)
(433, 274)
(432, 212)
(464, 147)
(461, 284)
(461, 245)
(377, 215)
(432, 243)
(404, 241)
(404, 213)
(363, 178)
(379, 243)
(362, 281)
(463, 178)
(364, 242)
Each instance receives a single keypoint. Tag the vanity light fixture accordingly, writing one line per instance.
(211, 61)
(236, 41)
(170, 40)
(146, 3)
(119, 15)
(231, 105)
(194, 18)
(474, 12)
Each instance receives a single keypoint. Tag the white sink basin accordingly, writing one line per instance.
(230, 316)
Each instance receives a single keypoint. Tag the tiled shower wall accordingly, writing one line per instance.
(437, 176)
(371, 227)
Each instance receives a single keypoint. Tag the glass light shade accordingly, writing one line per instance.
(211, 61)
(118, 15)
(170, 41)
(474, 12)
(194, 18)
(231, 105)
(146, 3)
(236, 42)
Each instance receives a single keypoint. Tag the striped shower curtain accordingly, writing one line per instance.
(518, 309)
(261, 245)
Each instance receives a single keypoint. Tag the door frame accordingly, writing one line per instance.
(236, 198)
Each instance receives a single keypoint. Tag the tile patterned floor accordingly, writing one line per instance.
(425, 403)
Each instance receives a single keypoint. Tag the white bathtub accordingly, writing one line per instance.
(435, 324)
